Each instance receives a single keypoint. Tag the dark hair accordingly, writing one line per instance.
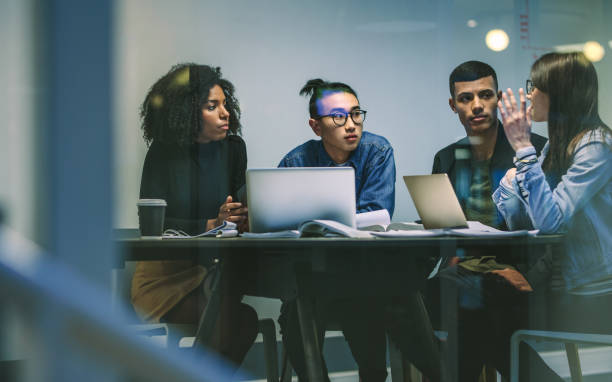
(172, 110)
(570, 81)
(470, 71)
(317, 88)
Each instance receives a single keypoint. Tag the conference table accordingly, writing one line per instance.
(309, 268)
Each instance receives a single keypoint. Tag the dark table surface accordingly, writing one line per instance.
(332, 263)
(137, 249)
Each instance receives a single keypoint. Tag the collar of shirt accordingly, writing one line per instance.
(353, 159)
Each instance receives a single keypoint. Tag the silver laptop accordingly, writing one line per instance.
(281, 198)
(435, 201)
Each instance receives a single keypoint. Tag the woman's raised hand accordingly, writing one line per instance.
(516, 119)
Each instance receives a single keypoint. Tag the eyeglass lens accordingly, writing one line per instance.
(356, 115)
(528, 86)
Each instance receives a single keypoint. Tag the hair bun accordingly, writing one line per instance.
(311, 86)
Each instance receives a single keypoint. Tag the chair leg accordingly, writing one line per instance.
(268, 331)
(574, 361)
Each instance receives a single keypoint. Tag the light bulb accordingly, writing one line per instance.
(593, 51)
(497, 40)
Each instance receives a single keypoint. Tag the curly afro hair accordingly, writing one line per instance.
(172, 110)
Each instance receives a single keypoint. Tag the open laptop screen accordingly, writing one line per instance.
(435, 201)
(282, 198)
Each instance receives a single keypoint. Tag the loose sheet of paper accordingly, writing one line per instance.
(379, 217)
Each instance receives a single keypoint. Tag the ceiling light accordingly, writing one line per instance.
(593, 51)
(497, 40)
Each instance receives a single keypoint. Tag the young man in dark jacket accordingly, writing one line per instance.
(479, 295)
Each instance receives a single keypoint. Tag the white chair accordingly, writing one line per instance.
(571, 341)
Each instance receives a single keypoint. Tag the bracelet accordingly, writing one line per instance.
(526, 161)
(520, 163)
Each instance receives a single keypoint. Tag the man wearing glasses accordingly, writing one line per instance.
(483, 283)
(337, 118)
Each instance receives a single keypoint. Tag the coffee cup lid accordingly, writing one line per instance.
(152, 202)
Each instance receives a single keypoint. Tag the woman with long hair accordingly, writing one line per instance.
(567, 190)
(196, 162)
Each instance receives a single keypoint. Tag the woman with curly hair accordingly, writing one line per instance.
(196, 162)
(568, 189)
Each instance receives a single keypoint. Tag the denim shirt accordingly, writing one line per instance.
(372, 161)
(579, 206)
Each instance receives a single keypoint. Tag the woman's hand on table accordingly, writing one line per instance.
(231, 211)
(516, 119)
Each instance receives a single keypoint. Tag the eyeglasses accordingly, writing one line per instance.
(340, 117)
(529, 86)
